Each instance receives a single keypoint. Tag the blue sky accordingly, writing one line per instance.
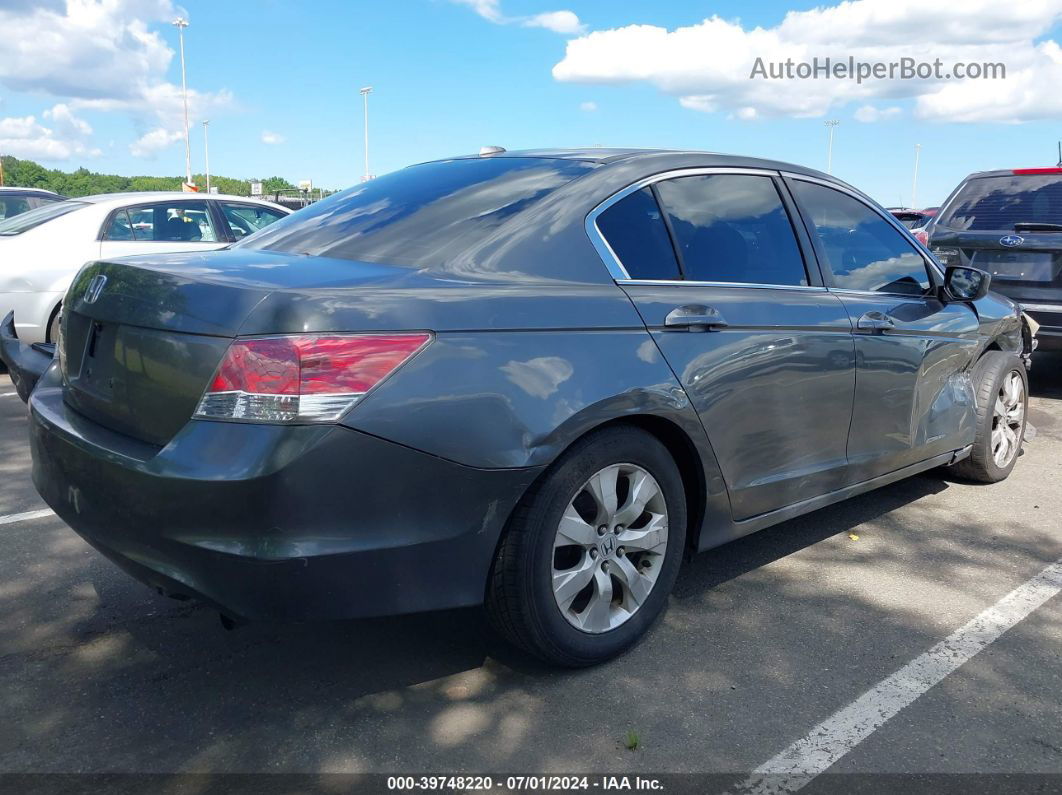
(452, 75)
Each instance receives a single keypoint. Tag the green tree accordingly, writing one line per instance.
(82, 182)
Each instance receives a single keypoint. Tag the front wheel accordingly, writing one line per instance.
(1001, 385)
(592, 552)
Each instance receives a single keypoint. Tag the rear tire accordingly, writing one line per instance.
(592, 552)
(1001, 386)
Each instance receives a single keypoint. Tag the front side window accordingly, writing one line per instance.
(246, 219)
(863, 251)
(732, 228)
(170, 222)
(635, 230)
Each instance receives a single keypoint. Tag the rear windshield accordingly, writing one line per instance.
(997, 203)
(33, 218)
(419, 216)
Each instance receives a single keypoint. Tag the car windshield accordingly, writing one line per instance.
(12, 204)
(421, 215)
(998, 203)
(34, 218)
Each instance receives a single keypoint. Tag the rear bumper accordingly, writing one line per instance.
(272, 522)
(1049, 316)
(26, 363)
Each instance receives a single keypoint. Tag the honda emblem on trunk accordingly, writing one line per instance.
(1011, 241)
(95, 288)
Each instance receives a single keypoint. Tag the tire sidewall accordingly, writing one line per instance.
(998, 370)
(610, 447)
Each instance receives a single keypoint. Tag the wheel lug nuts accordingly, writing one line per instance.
(621, 552)
(602, 530)
(604, 566)
(593, 554)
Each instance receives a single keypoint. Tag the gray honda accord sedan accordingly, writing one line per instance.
(534, 380)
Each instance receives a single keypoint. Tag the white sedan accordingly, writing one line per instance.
(43, 249)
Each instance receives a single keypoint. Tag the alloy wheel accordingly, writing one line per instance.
(1008, 417)
(609, 548)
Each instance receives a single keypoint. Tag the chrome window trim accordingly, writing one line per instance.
(693, 283)
(612, 261)
(866, 201)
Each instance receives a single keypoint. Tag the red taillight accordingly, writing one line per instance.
(1030, 171)
(922, 236)
(311, 378)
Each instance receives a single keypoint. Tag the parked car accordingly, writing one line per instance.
(534, 379)
(41, 250)
(1009, 223)
(915, 220)
(15, 201)
(912, 219)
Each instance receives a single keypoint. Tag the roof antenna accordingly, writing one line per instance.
(1060, 154)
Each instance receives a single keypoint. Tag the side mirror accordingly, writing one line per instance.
(966, 284)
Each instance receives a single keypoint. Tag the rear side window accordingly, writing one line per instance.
(420, 216)
(863, 251)
(635, 230)
(732, 228)
(998, 203)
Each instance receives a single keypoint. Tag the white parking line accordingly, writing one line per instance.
(844, 730)
(23, 517)
(8, 394)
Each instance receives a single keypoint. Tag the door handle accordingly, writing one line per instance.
(694, 317)
(875, 321)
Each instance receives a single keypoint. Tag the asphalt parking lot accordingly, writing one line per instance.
(764, 640)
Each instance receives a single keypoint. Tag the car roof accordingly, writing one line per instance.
(134, 197)
(35, 191)
(1017, 172)
(659, 157)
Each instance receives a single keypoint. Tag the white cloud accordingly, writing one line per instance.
(103, 56)
(588, 107)
(870, 114)
(488, 9)
(151, 143)
(707, 65)
(564, 22)
(272, 137)
(26, 137)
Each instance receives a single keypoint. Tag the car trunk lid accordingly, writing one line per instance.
(143, 336)
(1030, 260)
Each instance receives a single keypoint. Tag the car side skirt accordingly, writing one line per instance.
(737, 530)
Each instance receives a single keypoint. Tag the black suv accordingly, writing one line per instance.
(1009, 223)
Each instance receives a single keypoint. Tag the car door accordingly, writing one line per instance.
(913, 398)
(173, 225)
(716, 268)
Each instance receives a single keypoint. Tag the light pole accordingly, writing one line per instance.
(914, 183)
(831, 125)
(365, 95)
(206, 150)
(181, 23)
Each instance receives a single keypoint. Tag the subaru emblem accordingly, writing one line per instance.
(1011, 241)
(95, 288)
